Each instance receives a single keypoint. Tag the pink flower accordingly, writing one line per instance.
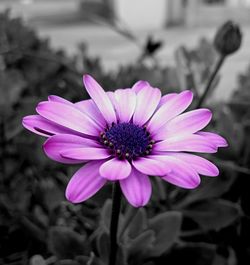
(126, 136)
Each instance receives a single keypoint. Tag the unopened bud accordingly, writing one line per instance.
(228, 38)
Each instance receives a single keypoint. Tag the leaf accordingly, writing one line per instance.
(103, 246)
(139, 248)
(128, 217)
(52, 193)
(67, 262)
(219, 260)
(106, 215)
(230, 259)
(142, 242)
(103, 249)
(192, 253)
(89, 260)
(122, 256)
(37, 260)
(213, 214)
(135, 222)
(83, 259)
(138, 224)
(41, 216)
(210, 188)
(32, 229)
(65, 243)
(167, 228)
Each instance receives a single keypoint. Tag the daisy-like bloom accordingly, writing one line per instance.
(126, 136)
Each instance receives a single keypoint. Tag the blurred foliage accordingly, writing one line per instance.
(209, 225)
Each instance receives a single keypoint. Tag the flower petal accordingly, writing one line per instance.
(166, 98)
(85, 153)
(112, 98)
(182, 174)
(100, 98)
(56, 144)
(68, 116)
(136, 188)
(199, 164)
(214, 138)
(186, 123)
(173, 107)
(42, 126)
(59, 99)
(85, 182)
(150, 165)
(147, 102)
(89, 108)
(125, 104)
(115, 169)
(189, 143)
(138, 86)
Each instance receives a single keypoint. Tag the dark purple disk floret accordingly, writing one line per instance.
(128, 140)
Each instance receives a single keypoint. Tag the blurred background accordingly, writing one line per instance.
(45, 47)
(68, 23)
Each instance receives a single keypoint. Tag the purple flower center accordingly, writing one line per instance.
(127, 140)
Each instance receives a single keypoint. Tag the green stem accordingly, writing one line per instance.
(116, 198)
(210, 81)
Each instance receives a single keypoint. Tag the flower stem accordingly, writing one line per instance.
(116, 197)
(210, 81)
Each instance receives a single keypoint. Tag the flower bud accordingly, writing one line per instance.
(228, 38)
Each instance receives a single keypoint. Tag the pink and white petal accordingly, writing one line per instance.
(173, 107)
(69, 117)
(214, 138)
(147, 102)
(136, 188)
(151, 165)
(112, 98)
(182, 174)
(188, 143)
(191, 121)
(59, 99)
(200, 164)
(85, 153)
(166, 98)
(85, 183)
(115, 169)
(114, 102)
(56, 144)
(89, 108)
(138, 86)
(100, 98)
(181, 180)
(186, 123)
(42, 126)
(125, 104)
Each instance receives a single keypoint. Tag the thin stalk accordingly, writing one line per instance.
(210, 81)
(116, 198)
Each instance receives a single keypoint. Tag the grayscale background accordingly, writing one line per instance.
(45, 48)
